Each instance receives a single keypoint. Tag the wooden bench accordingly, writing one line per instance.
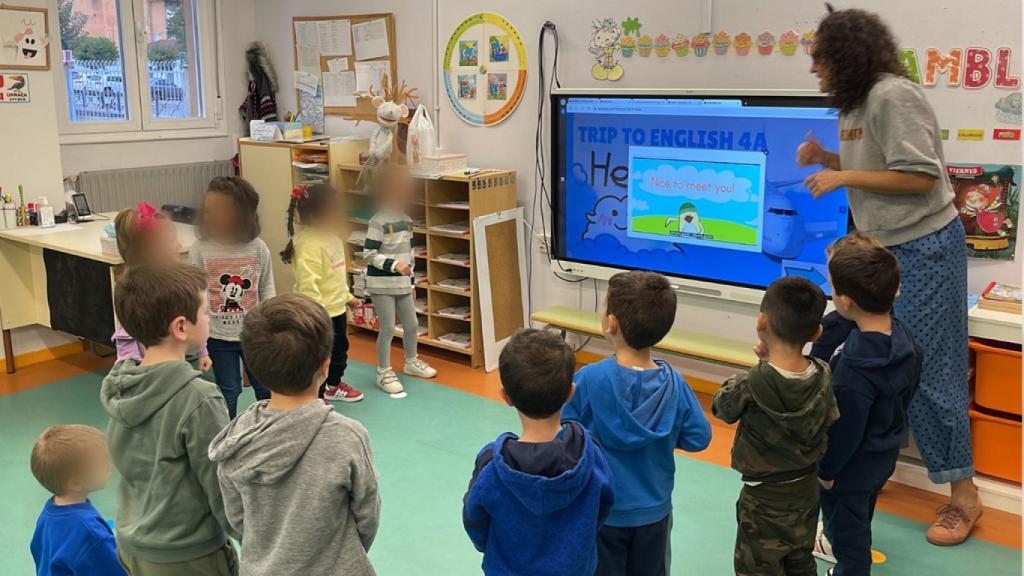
(693, 345)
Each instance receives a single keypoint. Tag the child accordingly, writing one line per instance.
(874, 375)
(317, 256)
(163, 415)
(239, 275)
(297, 477)
(388, 251)
(784, 406)
(71, 537)
(145, 235)
(639, 410)
(536, 501)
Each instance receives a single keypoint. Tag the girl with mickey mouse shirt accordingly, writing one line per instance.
(239, 273)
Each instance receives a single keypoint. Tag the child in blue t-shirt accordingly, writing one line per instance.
(639, 410)
(71, 537)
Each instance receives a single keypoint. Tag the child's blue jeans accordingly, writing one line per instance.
(227, 370)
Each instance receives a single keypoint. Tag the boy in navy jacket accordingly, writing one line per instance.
(639, 410)
(875, 370)
(536, 501)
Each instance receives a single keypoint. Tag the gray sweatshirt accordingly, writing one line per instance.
(896, 129)
(162, 419)
(300, 487)
(238, 278)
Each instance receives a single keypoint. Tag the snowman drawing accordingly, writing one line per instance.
(688, 222)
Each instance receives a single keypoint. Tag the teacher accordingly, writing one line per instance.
(890, 161)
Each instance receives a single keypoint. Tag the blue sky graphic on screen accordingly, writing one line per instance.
(706, 189)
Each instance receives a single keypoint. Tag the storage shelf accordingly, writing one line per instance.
(450, 263)
(421, 339)
(456, 318)
(446, 290)
(449, 234)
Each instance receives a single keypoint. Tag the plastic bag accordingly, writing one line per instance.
(420, 142)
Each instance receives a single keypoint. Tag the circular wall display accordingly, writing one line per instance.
(485, 69)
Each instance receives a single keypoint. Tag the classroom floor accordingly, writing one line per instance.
(424, 447)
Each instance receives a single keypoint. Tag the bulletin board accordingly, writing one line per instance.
(499, 245)
(332, 42)
(24, 38)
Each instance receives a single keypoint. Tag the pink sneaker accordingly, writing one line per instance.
(342, 393)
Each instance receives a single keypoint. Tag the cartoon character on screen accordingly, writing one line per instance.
(607, 217)
(232, 288)
(785, 231)
(984, 210)
(688, 222)
(604, 42)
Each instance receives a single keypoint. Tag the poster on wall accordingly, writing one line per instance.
(988, 199)
(24, 38)
(14, 88)
(485, 69)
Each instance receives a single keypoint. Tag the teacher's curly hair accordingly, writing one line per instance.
(856, 48)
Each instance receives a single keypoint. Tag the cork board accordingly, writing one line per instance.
(353, 22)
(501, 277)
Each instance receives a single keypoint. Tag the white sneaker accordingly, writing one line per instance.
(822, 547)
(419, 368)
(388, 381)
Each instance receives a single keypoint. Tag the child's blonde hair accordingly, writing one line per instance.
(60, 452)
(134, 227)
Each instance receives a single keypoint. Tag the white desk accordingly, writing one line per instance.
(23, 296)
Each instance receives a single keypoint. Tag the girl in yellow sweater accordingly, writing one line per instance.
(317, 256)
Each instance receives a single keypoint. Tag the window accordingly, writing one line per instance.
(137, 65)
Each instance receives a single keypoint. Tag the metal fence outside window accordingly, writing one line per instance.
(96, 90)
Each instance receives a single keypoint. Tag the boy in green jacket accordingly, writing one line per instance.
(163, 415)
(784, 407)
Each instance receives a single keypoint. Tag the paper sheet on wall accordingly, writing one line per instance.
(335, 37)
(306, 82)
(371, 39)
(337, 64)
(306, 34)
(309, 59)
(339, 89)
(311, 106)
(369, 74)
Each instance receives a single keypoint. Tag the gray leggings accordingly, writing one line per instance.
(385, 306)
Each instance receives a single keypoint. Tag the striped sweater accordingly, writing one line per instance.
(388, 242)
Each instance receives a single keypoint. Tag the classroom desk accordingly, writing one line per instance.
(694, 345)
(23, 291)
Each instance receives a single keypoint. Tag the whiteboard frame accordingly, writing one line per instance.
(492, 348)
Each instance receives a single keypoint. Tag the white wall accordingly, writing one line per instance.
(918, 23)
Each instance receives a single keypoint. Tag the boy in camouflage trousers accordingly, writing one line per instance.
(784, 407)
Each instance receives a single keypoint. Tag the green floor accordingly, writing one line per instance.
(425, 447)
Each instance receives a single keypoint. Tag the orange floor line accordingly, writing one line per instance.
(43, 373)
(996, 526)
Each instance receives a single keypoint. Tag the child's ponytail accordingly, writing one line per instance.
(289, 250)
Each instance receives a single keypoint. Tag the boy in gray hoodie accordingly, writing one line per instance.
(170, 517)
(297, 477)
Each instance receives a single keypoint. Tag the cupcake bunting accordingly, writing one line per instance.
(789, 42)
(765, 43)
(721, 42)
(742, 43)
(700, 45)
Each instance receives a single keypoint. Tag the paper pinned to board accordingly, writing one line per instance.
(306, 82)
(337, 64)
(306, 34)
(335, 37)
(369, 74)
(311, 106)
(371, 39)
(339, 88)
(308, 59)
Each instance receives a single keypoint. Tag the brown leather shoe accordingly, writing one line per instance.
(953, 526)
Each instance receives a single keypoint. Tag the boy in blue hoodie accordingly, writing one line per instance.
(640, 410)
(874, 375)
(536, 501)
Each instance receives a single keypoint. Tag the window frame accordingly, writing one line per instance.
(140, 124)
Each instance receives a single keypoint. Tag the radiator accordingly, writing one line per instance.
(112, 190)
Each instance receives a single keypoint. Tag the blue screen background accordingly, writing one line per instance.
(593, 177)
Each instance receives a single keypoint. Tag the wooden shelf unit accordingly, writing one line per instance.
(269, 167)
(476, 195)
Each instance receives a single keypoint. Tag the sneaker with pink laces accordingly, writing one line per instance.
(342, 393)
(953, 525)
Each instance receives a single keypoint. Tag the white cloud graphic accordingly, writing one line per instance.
(714, 186)
(638, 204)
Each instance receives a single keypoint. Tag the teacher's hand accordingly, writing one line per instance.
(810, 152)
(821, 183)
